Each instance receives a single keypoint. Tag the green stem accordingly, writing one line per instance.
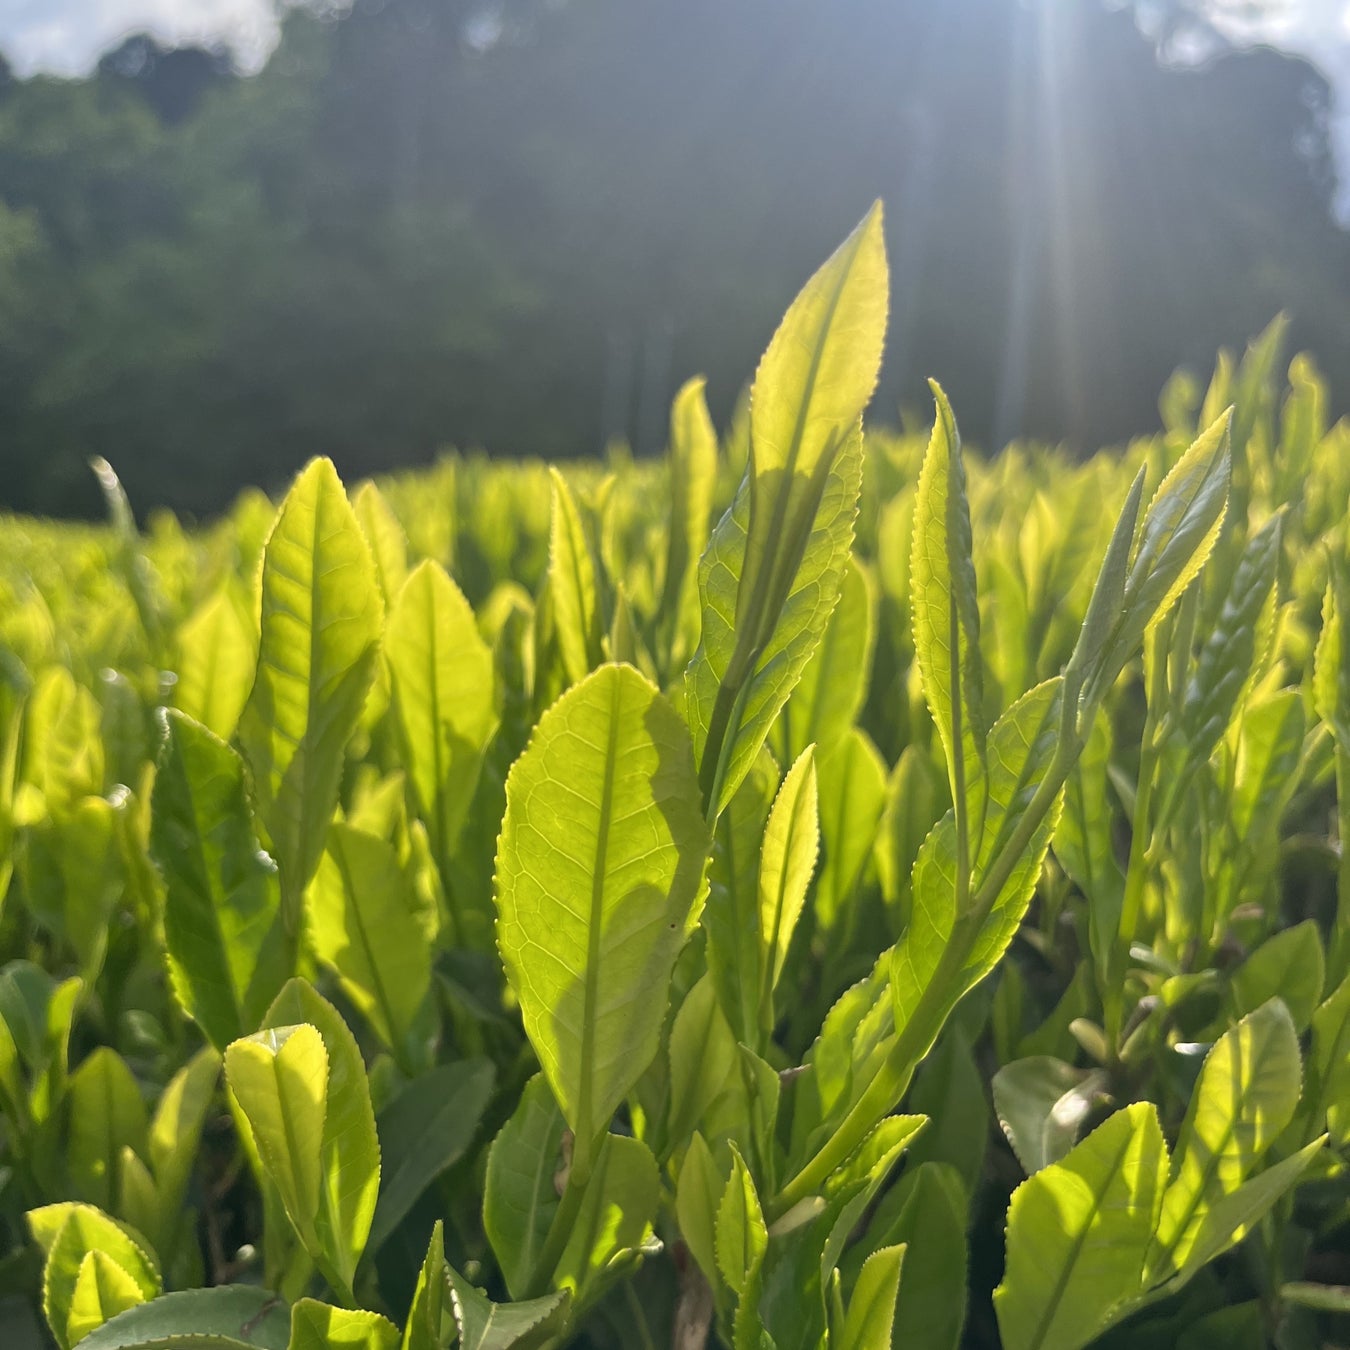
(940, 994)
(1137, 868)
(564, 1219)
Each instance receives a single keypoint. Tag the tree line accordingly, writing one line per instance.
(521, 224)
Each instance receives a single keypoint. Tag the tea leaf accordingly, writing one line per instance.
(68, 1233)
(1041, 1103)
(321, 621)
(484, 1325)
(602, 850)
(947, 625)
(218, 652)
(350, 1151)
(1078, 1234)
(319, 1326)
(228, 1317)
(443, 682)
(102, 1290)
(280, 1079)
(693, 476)
(771, 574)
(787, 860)
(106, 1114)
(425, 1129)
(520, 1196)
(572, 587)
(363, 924)
(871, 1310)
(1246, 1095)
(423, 1328)
(616, 1213)
(226, 951)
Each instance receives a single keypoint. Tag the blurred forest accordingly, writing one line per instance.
(520, 224)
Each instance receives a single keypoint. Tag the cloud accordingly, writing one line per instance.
(1319, 31)
(67, 37)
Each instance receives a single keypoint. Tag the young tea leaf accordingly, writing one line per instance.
(227, 954)
(321, 621)
(947, 625)
(1246, 1095)
(599, 869)
(772, 571)
(443, 681)
(1078, 1234)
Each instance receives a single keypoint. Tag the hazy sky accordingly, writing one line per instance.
(67, 36)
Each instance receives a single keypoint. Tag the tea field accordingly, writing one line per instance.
(822, 889)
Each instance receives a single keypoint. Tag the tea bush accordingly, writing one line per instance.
(825, 889)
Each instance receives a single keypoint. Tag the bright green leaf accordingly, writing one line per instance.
(484, 1325)
(1246, 1095)
(227, 955)
(321, 620)
(443, 679)
(871, 1310)
(319, 1326)
(102, 1290)
(1078, 1234)
(280, 1079)
(350, 1154)
(599, 869)
(363, 924)
(786, 864)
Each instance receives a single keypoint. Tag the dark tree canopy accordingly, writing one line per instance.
(521, 224)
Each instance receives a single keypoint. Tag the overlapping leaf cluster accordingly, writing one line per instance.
(823, 890)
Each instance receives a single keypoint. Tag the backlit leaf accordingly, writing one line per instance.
(1078, 1234)
(226, 951)
(321, 621)
(599, 869)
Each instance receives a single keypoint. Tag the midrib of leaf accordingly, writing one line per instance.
(959, 802)
(540, 1177)
(771, 971)
(292, 1144)
(440, 807)
(594, 932)
(1206, 1176)
(576, 545)
(212, 911)
(381, 994)
(725, 707)
(1075, 1250)
(312, 705)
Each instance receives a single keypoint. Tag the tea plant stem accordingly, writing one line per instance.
(940, 994)
(1137, 868)
(564, 1220)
